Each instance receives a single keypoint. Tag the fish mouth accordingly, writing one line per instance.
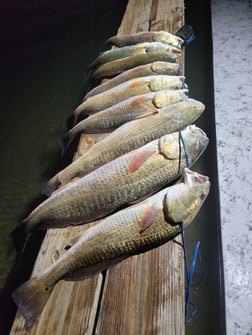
(196, 130)
(192, 177)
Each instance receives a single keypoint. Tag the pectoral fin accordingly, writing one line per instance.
(149, 217)
(138, 160)
(146, 104)
(136, 83)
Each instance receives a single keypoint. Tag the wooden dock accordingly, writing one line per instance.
(143, 295)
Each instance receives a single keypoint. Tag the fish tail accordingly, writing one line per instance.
(51, 186)
(64, 143)
(20, 236)
(31, 298)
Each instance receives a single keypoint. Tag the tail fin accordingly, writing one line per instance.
(51, 186)
(64, 143)
(20, 236)
(31, 298)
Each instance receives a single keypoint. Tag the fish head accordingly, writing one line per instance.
(160, 67)
(169, 97)
(189, 143)
(162, 82)
(168, 38)
(186, 111)
(194, 142)
(183, 200)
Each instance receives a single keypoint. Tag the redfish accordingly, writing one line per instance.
(127, 110)
(131, 231)
(126, 90)
(127, 137)
(131, 50)
(123, 181)
(138, 71)
(147, 36)
(117, 66)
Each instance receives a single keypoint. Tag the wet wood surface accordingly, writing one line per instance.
(143, 294)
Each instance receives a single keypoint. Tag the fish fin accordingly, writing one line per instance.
(31, 298)
(20, 236)
(150, 109)
(174, 214)
(136, 83)
(65, 142)
(139, 159)
(94, 269)
(149, 217)
(52, 185)
(140, 47)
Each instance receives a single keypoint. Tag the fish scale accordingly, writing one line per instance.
(120, 182)
(127, 51)
(129, 137)
(131, 231)
(126, 90)
(138, 71)
(118, 66)
(128, 110)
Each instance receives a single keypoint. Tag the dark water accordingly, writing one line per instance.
(43, 66)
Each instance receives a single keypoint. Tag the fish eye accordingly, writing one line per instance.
(202, 196)
(198, 143)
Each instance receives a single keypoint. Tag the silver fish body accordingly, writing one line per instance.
(120, 182)
(138, 71)
(130, 231)
(117, 66)
(147, 36)
(126, 90)
(130, 136)
(127, 110)
(131, 50)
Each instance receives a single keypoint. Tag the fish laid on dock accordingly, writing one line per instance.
(127, 110)
(126, 90)
(149, 69)
(123, 181)
(131, 50)
(131, 231)
(127, 137)
(147, 36)
(117, 66)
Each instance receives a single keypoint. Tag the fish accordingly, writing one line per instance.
(146, 36)
(138, 71)
(117, 66)
(126, 90)
(127, 137)
(130, 231)
(127, 110)
(131, 50)
(123, 181)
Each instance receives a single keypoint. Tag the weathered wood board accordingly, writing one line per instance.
(145, 293)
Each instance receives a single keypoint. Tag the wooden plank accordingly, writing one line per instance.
(145, 293)
(136, 17)
(72, 306)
